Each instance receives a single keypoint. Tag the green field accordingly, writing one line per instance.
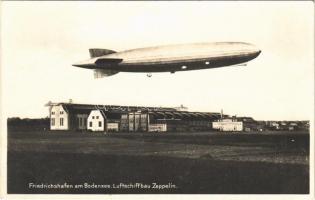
(205, 163)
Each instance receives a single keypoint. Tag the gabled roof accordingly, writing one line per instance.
(109, 114)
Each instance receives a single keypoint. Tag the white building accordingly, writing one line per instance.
(59, 119)
(228, 125)
(276, 125)
(96, 121)
(157, 128)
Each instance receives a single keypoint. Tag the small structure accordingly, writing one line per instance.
(274, 125)
(237, 124)
(157, 128)
(228, 125)
(97, 121)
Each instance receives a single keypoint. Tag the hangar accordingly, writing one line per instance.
(70, 116)
(167, 120)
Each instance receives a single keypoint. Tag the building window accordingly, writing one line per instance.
(92, 117)
(61, 112)
(61, 121)
(90, 124)
(99, 124)
(52, 113)
(53, 121)
(96, 117)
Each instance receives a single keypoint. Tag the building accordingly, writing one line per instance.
(70, 116)
(236, 124)
(59, 118)
(157, 128)
(96, 121)
(167, 120)
(228, 125)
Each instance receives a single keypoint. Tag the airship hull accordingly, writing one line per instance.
(174, 58)
(180, 65)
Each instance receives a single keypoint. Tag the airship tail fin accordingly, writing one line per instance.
(100, 52)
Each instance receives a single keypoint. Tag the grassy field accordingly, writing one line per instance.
(204, 163)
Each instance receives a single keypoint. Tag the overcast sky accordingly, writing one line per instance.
(40, 41)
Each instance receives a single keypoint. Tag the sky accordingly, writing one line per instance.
(41, 40)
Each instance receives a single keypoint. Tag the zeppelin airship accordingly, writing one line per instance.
(169, 58)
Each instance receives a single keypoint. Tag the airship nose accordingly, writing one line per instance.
(253, 53)
(251, 49)
(257, 52)
(255, 49)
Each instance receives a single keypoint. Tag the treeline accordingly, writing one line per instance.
(26, 124)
